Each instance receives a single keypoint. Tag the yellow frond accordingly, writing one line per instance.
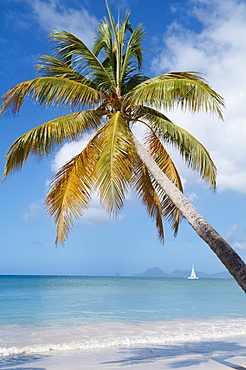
(54, 91)
(164, 161)
(70, 190)
(143, 184)
(192, 151)
(41, 140)
(114, 167)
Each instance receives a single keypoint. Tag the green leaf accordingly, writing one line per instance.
(83, 60)
(185, 90)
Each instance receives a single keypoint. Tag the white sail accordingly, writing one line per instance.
(193, 274)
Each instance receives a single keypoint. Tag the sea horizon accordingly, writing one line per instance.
(117, 274)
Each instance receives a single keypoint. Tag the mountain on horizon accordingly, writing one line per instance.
(152, 272)
(157, 272)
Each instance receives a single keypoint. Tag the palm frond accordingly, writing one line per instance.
(104, 42)
(114, 168)
(125, 25)
(48, 66)
(118, 32)
(165, 163)
(112, 23)
(122, 29)
(187, 90)
(119, 48)
(132, 82)
(52, 91)
(70, 190)
(83, 60)
(103, 39)
(52, 67)
(142, 183)
(134, 49)
(162, 158)
(41, 140)
(111, 39)
(157, 174)
(192, 151)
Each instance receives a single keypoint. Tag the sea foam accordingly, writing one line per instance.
(108, 335)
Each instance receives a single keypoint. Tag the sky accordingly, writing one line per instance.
(190, 35)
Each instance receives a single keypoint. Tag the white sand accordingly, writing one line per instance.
(226, 353)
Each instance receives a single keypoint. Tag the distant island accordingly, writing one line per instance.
(157, 272)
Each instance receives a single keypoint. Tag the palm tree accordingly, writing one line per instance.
(108, 83)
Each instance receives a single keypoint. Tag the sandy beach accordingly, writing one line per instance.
(211, 355)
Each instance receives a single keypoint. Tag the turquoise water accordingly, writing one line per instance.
(42, 313)
(36, 300)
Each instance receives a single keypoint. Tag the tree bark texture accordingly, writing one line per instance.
(219, 246)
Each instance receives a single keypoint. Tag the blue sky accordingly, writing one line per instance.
(196, 35)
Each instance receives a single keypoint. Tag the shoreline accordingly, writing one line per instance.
(226, 353)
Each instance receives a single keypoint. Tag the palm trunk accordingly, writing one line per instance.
(219, 246)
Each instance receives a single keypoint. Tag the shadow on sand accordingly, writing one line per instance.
(184, 355)
(180, 356)
(20, 362)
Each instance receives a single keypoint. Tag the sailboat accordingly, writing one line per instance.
(193, 274)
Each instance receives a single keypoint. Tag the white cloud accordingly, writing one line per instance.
(67, 152)
(218, 51)
(96, 214)
(236, 236)
(52, 14)
(192, 197)
(33, 212)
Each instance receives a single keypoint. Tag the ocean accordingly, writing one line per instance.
(71, 322)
